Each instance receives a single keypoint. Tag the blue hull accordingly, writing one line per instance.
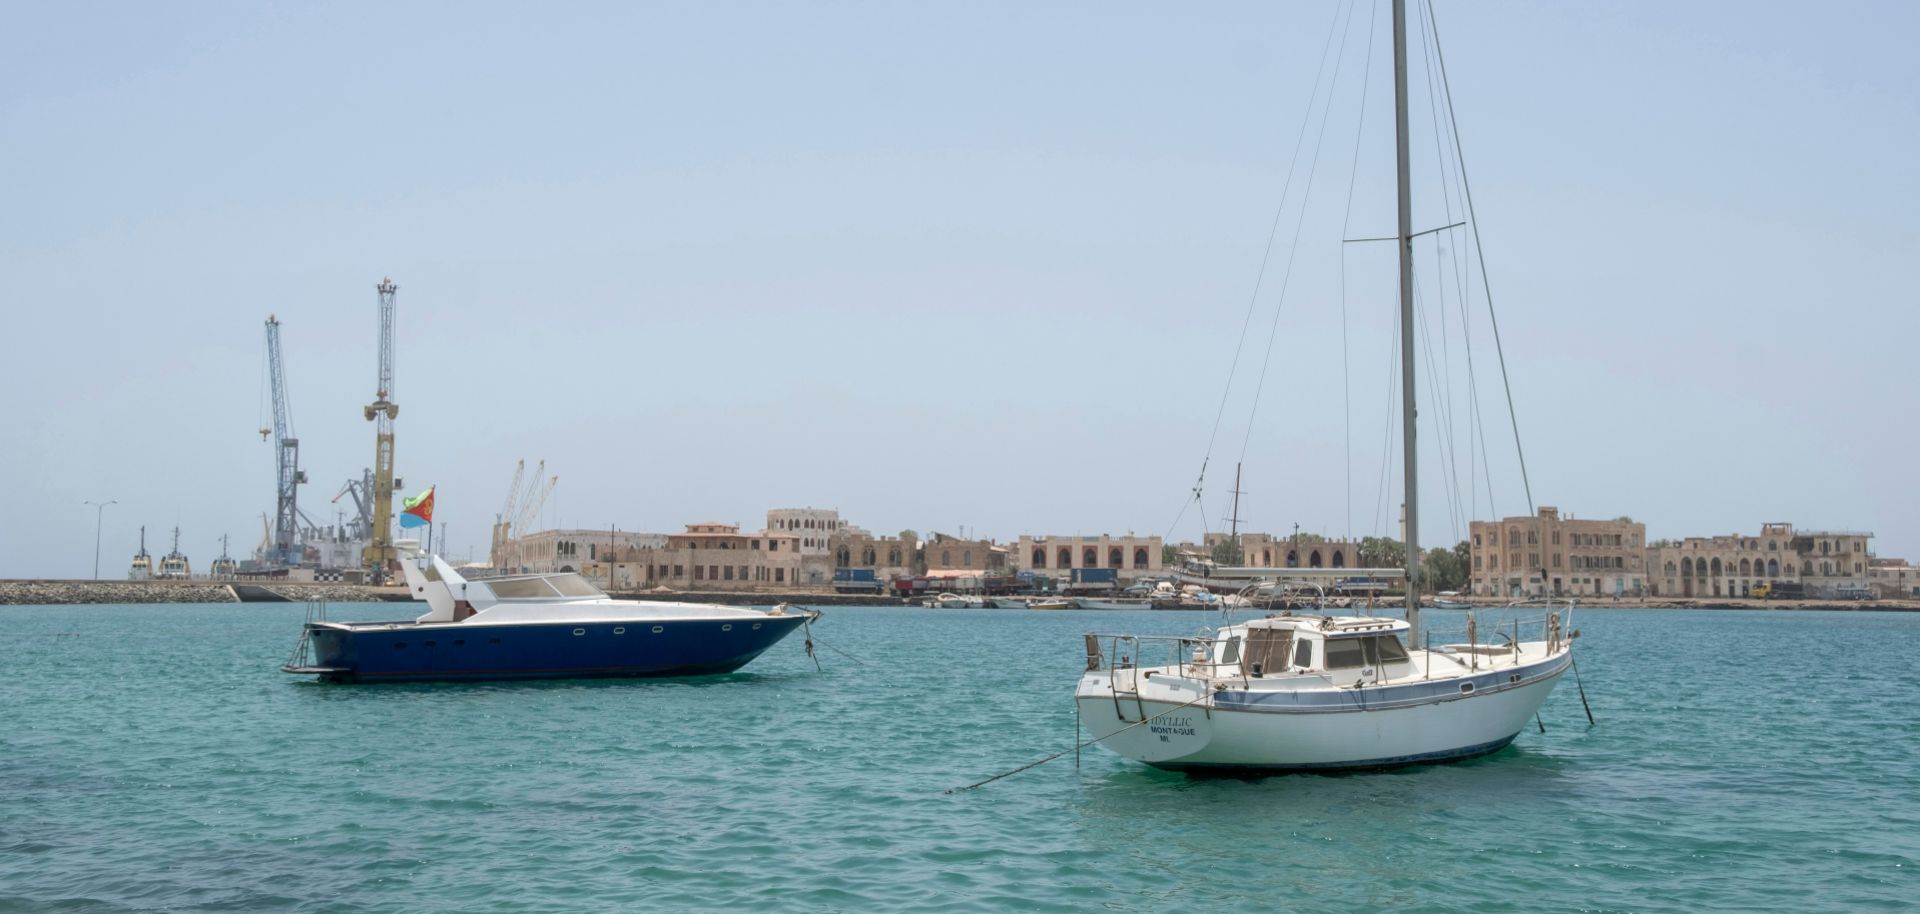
(407, 652)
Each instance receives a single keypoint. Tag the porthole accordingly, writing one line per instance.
(1466, 688)
(727, 627)
(579, 631)
(1514, 678)
(659, 628)
(619, 629)
(756, 626)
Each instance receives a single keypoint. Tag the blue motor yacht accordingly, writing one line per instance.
(536, 626)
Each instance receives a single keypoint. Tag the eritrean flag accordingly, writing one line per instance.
(418, 510)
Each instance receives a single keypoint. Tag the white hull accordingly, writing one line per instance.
(1208, 735)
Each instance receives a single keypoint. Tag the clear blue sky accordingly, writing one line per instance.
(936, 264)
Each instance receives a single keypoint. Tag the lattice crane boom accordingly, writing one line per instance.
(283, 546)
(380, 554)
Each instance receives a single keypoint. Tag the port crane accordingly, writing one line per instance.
(379, 554)
(522, 508)
(283, 547)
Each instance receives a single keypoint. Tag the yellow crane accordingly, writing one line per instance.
(379, 555)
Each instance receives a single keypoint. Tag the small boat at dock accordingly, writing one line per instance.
(537, 626)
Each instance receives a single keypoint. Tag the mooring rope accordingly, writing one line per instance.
(1078, 746)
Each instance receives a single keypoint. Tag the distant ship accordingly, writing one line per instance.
(142, 567)
(224, 567)
(173, 565)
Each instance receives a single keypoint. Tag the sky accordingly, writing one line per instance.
(946, 266)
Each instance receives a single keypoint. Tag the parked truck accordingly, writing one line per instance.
(856, 580)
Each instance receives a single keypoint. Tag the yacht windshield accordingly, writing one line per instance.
(573, 585)
(521, 588)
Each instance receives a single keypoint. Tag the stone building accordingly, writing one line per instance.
(549, 551)
(814, 526)
(945, 553)
(720, 557)
(1893, 578)
(1132, 556)
(1265, 550)
(888, 557)
(1730, 566)
(1547, 555)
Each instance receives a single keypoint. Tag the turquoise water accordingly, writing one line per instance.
(153, 758)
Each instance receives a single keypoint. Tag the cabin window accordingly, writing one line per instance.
(1231, 653)
(1303, 655)
(1383, 649)
(727, 627)
(619, 630)
(1345, 654)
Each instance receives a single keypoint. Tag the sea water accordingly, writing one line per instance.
(154, 758)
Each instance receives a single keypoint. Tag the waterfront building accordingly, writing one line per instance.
(1265, 550)
(1827, 563)
(1132, 556)
(951, 554)
(814, 526)
(1893, 578)
(887, 557)
(1548, 555)
(584, 551)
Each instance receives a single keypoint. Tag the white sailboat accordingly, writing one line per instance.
(1296, 691)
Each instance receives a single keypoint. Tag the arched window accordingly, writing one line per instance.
(1339, 559)
(966, 558)
(1313, 559)
(1064, 558)
(844, 557)
(1266, 558)
(1745, 568)
(893, 555)
(1039, 557)
(1293, 559)
(866, 556)
(1686, 567)
(1113, 557)
(1773, 568)
(1669, 569)
(1716, 567)
(1806, 568)
(1140, 557)
(946, 558)
(1089, 557)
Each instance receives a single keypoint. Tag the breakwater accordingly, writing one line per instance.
(51, 592)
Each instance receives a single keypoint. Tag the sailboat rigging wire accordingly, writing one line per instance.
(1077, 746)
(1353, 173)
(1486, 286)
(1293, 247)
(1266, 254)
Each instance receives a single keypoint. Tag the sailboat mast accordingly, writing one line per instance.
(1410, 459)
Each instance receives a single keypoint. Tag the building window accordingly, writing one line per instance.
(729, 572)
(1065, 557)
(779, 575)
(893, 555)
(946, 558)
(1313, 559)
(1039, 557)
(843, 557)
(1089, 557)
(713, 572)
(866, 556)
(1140, 557)
(966, 558)
(1113, 557)
(699, 572)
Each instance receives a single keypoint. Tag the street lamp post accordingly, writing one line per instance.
(100, 510)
